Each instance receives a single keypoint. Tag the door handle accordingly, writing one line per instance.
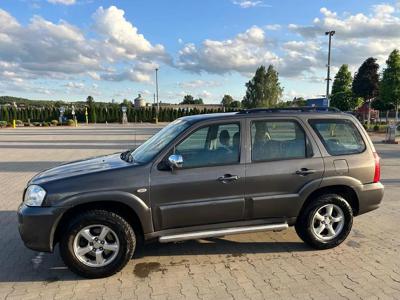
(305, 172)
(228, 178)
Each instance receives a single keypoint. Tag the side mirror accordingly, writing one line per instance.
(175, 161)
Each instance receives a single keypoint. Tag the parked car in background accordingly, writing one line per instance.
(206, 176)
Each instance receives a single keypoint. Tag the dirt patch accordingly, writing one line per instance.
(353, 244)
(143, 270)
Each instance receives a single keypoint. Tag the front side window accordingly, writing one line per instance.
(339, 137)
(217, 144)
(277, 140)
(149, 149)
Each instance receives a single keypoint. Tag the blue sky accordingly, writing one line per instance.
(68, 49)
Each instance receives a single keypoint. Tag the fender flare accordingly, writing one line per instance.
(142, 210)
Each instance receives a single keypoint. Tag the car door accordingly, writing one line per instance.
(281, 161)
(209, 188)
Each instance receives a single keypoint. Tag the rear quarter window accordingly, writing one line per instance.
(340, 137)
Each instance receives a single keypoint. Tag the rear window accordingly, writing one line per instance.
(340, 137)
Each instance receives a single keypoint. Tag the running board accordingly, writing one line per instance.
(221, 232)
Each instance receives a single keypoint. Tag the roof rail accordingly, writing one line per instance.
(290, 109)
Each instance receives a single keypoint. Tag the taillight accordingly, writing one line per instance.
(377, 175)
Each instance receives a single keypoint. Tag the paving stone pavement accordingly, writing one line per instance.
(248, 266)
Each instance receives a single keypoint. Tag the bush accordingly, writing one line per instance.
(54, 122)
(3, 124)
(19, 123)
(46, 124)
(71, 122)
(37, 124)
(376, 128)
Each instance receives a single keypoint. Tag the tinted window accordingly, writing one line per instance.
(146, 152)
(212, 145)
(276, 140)
(339, 136)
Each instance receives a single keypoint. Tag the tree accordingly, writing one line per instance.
(198, 101)
(297, 101)
(227, 100)
(342, 81)
(126, 103)
(264, 89)
(188, 99)
(342, 95)
(90, 101)
(390, 83)
(92, 109)
(366, 82)
(236, 104)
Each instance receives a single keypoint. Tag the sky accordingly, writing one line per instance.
(69, 49)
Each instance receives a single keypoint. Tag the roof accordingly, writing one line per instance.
(291, 111)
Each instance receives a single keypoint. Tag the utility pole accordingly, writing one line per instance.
(328, 78)
(158, 105)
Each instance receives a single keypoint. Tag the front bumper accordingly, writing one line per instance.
(37, 226)
(370, 196)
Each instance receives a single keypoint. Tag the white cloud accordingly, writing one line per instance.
(273, 27)
(358, 36)
(382, 23)
(205, 94)
(194, 84)
(244, 53)
(121, 37)
(43, 49)
(250, 3)
(64, 2)
(75, 85)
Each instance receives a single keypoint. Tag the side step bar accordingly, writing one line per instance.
(221, 232)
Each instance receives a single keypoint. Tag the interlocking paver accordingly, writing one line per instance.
(250, 266)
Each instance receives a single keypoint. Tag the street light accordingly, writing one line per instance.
(328, 79)
(158, 105)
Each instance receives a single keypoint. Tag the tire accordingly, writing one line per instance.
(119, 240)
(309, 224)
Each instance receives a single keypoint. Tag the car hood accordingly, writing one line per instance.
(81, 167)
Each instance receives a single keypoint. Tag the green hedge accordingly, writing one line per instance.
(98, 114)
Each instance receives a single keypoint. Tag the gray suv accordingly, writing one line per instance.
(206, 176)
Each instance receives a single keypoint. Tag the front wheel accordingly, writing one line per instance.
(326, 222)
(97, 244)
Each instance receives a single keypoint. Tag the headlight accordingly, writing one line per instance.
(34, 195)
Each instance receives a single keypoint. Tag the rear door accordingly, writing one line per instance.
(281, 160)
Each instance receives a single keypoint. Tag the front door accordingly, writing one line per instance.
(209, 188)
(281, 161)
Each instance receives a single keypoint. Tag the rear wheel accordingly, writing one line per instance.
(97, 244)
(326, 222)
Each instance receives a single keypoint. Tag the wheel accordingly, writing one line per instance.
(326, 222)
(97, 244)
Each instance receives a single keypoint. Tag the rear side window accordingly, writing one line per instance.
(340, 137)
(277, 140)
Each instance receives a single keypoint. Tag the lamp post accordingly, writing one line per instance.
(328, 79)
(158, 105)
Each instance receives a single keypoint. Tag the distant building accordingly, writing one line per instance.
(139, 102)
(317, 102)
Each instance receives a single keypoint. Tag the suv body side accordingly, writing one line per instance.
(193, 199)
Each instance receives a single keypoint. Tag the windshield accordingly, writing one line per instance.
(146, 152)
